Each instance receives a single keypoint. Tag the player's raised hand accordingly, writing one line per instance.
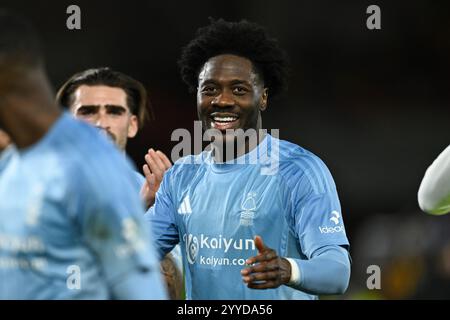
(267, 270)
(156, 165)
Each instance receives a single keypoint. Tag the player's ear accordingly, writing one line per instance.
(263, 101)
(133, 127)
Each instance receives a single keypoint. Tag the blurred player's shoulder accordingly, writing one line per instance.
(7, 155)
(88, 157)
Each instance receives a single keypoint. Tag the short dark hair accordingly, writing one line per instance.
(19, 43)
(242, 38)
(136, 94)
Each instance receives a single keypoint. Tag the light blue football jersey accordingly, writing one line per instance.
(175, 254)
(280, 191)
(71, 223)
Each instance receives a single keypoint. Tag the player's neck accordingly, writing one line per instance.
(237, 148)
(27, 128)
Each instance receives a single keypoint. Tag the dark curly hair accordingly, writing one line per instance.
(242, 38)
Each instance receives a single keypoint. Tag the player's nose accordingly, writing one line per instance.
(224, 100)
(102, 120)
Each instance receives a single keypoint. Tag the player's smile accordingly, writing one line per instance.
(230, 94)
(224, 120)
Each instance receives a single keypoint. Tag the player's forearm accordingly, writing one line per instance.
(140, 285)
(434, 191)
(327, 272)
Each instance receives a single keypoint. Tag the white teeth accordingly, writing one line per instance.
(224, 119)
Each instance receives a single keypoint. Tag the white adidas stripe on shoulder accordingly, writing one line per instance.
(185, 207)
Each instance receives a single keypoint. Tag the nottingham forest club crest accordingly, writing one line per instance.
(248, 209)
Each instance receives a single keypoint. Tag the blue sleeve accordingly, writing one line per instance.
(316, 220)
(161, 218)
(327, 272)
(315, 211)
(112, 225)
(318, 223)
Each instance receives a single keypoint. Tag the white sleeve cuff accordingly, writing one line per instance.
(295, 272)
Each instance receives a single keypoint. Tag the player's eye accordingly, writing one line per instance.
(240, 90)
(209, 90)
(84, 111)
(116, 110)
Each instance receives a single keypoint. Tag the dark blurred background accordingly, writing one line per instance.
(374, 105)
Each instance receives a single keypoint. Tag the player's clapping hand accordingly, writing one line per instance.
(156, 165)
(267, 270)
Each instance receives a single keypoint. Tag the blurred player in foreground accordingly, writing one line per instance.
(7, 150)
(434, 190)
(247, 226)
(5, 141)
(117, 104)
(70, 224)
